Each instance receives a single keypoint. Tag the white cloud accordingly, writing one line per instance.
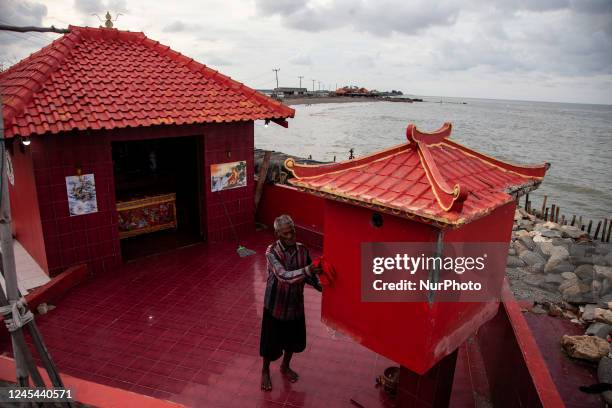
(546, 50)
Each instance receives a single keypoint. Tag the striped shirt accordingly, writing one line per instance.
(287, 274)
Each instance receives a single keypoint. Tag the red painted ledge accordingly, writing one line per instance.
(52, 290)
(91, 393)
(57, 286)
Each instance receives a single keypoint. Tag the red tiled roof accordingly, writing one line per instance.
(430, 177)
(98, 78)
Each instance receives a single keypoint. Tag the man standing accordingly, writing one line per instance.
(283, 327)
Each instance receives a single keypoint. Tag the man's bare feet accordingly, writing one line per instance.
(266, 383)
(291, 375)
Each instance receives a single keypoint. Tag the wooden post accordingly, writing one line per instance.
(552, 213)
(573, 220)
(526, 202)
(563, 219)
(580, 223)
(603, 232)
(261, 180)
(546, 215)
(609, 231)
(589, 228)
(544, 206)
(597, 230)
(557, 215)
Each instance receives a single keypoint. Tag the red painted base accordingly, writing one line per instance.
(432, 389)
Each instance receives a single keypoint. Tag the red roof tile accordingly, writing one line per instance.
(430, 177)
(98, 78)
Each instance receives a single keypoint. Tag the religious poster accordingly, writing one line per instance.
(224, 176)
(81, 194)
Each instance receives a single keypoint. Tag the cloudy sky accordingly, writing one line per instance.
(547, 50)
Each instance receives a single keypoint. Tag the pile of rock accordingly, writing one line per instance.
(560, 261)
(567, 275)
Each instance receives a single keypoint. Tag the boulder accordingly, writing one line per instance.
(514, 262)
(511, 251)
(536, 268)
(577, 293)
(577, 250)
(603, 272)
(561, 267)
(606, 287)
(608, 259)
(599, 260)
(519, 247)
(568, 275)
(591, 348)
(599, 329)
(553, 278)
(585, 272)
(531, 258)
(549, 233)
(603, 300)
(604, 375)
(528, 242)
(526, 225)
(546, 248)
(602, 248)
(582, 260)
(588, 312)
(602, 315)
(534, 280)
(548, 225)
(558, 254)
(573, 232)
(540, 239)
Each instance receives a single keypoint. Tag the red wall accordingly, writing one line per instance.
(27, 227)
(237, 139)
(305, 209)
(93, 238)
(389, 328)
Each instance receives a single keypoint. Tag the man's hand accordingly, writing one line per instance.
(315, 270)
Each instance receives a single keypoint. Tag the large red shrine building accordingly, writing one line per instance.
(121, 145)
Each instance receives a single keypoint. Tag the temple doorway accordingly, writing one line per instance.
(158, 194)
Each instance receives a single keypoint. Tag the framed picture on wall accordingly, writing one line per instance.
(81, 194)
(225, 176)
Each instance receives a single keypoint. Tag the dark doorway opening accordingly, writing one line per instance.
(157, 188)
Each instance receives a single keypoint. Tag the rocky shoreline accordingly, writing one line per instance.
(569, 276)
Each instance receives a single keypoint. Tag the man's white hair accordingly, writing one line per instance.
(282, 220)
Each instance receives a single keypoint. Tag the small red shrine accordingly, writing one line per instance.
(119, 144)
(415, 190)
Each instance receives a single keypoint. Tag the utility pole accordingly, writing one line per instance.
(276, 73)
(319, 82)
(313, 81)
(300, 80)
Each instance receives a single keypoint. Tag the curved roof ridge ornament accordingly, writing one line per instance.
(415, 135)
(449, 198)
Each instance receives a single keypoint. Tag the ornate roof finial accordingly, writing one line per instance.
(109, 22)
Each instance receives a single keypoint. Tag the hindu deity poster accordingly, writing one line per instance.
(81, 194)
(224, 176)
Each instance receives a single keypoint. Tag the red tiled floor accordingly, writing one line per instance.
(184, 326)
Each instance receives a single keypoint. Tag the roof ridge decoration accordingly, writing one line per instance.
(449, 198)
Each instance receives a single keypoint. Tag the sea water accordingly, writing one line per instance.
(576, 139)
